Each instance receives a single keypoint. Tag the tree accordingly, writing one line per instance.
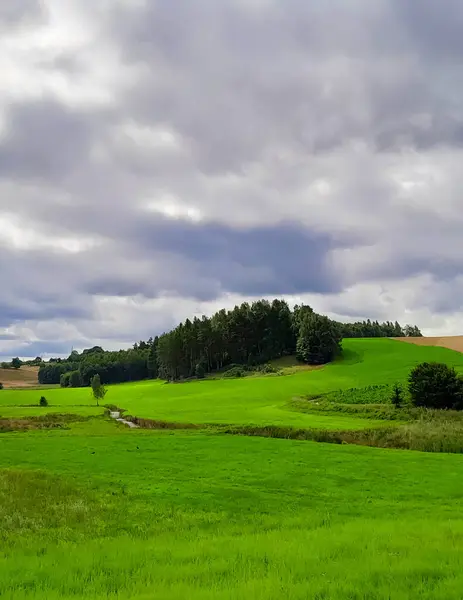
(43, 401)
(412, 331)
(16, 363)
(436, 385)
(152, 360)
(1, 386)
(75, 380)
(397, 396)
(98, 389)
(319, 340)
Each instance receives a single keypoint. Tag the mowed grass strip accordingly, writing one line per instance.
(137, 514)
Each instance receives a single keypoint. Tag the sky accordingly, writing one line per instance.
(161, 159)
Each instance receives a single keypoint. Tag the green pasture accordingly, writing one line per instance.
(96, 511)
(101, 512)
(257, 400)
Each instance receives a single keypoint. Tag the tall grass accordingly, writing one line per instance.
(108, 513)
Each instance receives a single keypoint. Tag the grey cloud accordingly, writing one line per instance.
(292, 75)
(7, 337)
(41, 348)
(435, 27)
(45, 140)
(21, 11)
(265, 101)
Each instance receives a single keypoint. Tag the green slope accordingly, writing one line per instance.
(259, 400)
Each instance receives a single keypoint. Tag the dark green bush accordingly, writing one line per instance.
(436, 385)
(234, 372)
(1, 386)
(200, 371)
(64, 379)
(43, 401)
(74, 379)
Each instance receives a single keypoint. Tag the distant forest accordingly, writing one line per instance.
(248, 335)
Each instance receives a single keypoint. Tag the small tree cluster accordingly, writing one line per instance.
(43, 401)
(319, 340)
(436, 385)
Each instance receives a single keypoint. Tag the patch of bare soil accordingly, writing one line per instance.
(452, 342)
(19, 378)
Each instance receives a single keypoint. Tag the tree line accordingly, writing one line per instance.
(112, 367)
(249, 334)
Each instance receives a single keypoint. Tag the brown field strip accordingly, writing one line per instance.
(18, 378)
(452, 342)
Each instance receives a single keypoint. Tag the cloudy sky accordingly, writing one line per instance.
(165, 158)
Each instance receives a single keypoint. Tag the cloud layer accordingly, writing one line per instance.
(161, 159)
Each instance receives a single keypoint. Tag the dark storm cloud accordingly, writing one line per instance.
(261, 260)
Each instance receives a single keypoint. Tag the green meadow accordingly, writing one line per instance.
(96, 510)
(264, 400)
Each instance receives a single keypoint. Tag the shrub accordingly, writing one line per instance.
(267, 368)
(200, 371)
(436, 385)
(75, 380)
(65, 379)
(1, 386)
(43, 401)
(234, 372)
(397, 396)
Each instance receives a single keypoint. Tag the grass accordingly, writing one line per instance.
(95, 510)
(262, 400)
(99, 511)
(35, 411)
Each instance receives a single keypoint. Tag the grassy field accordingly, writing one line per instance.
(99, 511)
(257, 400)
(95, 510)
